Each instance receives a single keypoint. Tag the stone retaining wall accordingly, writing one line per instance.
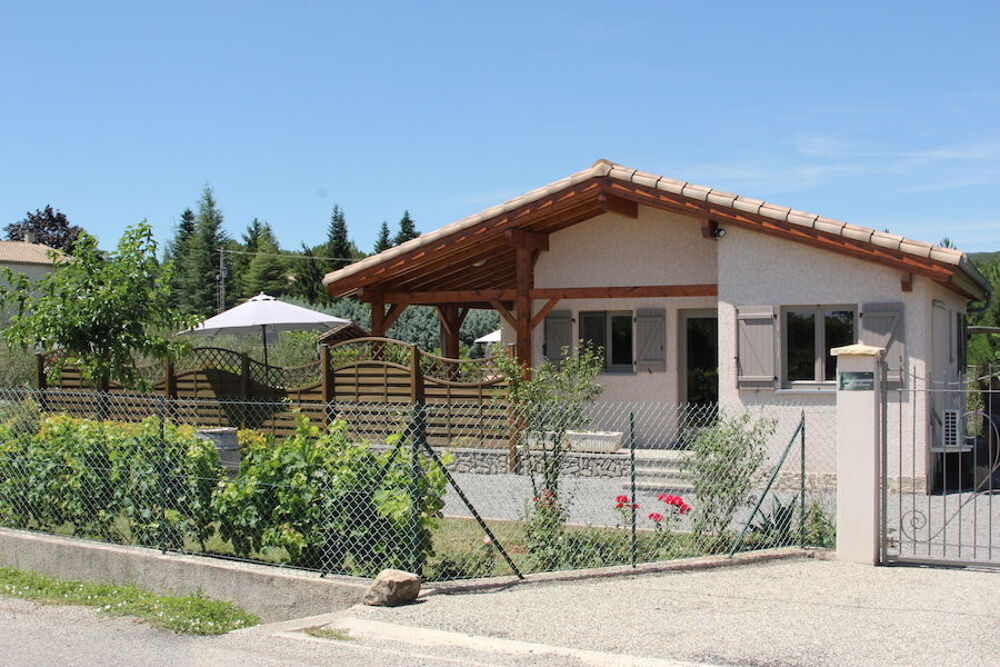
(494, 462)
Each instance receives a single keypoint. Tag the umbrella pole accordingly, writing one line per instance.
(263, 340)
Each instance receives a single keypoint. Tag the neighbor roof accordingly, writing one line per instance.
(21, 252)
(479, 238)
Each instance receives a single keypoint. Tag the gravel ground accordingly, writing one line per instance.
(800, 612)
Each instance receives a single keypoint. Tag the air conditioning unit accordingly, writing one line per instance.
(951, 429)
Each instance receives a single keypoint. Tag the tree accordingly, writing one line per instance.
(267, 272)
(48, 227)
(100, 312)
(178, 253)
(338, 246)
(946, 242)
(208, 240)
(384, 240)
(308, 284)
(407, 230)
(246, 250)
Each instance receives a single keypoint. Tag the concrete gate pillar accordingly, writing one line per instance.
(859, 434)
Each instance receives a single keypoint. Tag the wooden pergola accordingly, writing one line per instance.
(488, 260)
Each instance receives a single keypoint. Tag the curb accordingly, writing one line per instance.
(678, 565)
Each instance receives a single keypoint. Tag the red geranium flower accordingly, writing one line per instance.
(621, 499)
(656, 516)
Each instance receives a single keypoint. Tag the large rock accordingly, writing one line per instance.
(392, 588)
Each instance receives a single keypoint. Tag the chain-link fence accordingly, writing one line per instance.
(450, 491)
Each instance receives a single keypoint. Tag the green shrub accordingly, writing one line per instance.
(109, 480)
(818, 530)
(331, 503)
(725, 461)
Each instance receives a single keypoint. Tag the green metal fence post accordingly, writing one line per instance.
(802, 480)
(160, 474)
(632, 501)
(418, 435)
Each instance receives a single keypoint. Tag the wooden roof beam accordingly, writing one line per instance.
(488, 296)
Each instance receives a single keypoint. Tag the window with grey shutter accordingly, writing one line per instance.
(558, 335)
(755, 341)
(651, 344)
(882, 326)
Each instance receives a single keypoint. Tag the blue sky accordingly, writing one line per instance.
(882, 114)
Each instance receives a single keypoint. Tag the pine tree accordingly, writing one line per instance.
(241, 260)
(337, 246)
(178, 252)
(407, 230)
(384, 241)
(206, 243)
(308, 284)
(267, 272)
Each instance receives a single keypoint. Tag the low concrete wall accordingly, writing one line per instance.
(272, 593)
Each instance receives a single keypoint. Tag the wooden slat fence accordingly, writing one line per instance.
(369, 382)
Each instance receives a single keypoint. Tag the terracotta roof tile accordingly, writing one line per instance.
(604, 168)
(20, 252)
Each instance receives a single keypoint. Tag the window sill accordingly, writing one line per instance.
(618, 372)
(806, 389)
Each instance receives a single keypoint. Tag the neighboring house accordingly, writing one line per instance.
(695, 295)
(31, 259)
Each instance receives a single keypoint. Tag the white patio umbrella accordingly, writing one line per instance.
(491, 337)
(265, 314)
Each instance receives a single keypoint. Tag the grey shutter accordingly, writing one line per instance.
(963, 341)
(650, 340)
(882, 326)
(558, 334)
(755, 340)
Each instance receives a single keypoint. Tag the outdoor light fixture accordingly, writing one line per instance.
(718, 233)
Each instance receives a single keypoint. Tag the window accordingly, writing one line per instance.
(810, 333)
(612, 332)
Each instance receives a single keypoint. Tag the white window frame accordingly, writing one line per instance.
(819, 341)
(608, 316)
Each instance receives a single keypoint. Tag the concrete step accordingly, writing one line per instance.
(679, 487)
(658, 473)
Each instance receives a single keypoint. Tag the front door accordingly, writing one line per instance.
(700, 333)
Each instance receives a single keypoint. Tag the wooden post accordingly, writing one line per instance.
(378, 325)
(450, 318)
(244, 376)
(327, 383)
(522, 305)
(169, 379)
(40, 371)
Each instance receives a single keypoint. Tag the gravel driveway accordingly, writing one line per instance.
(790, 612)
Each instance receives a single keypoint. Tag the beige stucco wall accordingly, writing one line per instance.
(33, 271)
(756, 270)
(751, 269)
(611, 250)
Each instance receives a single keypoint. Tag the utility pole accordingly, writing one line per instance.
(222, 279)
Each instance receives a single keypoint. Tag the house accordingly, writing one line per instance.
(695, 295)
(27, 257)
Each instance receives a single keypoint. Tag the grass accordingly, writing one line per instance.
(338, 634)
(189, 614)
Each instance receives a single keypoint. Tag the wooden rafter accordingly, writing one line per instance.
(487, 297)
(504, 312)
